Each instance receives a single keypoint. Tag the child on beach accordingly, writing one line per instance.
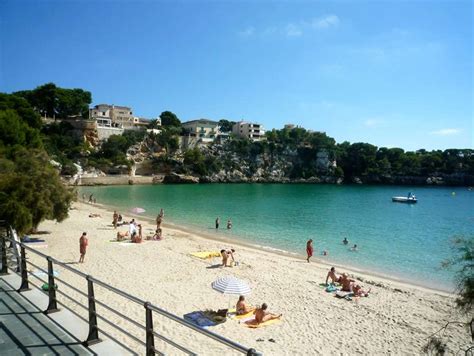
(83, 242)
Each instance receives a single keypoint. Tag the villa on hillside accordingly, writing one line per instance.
(117, 117)
(252, 131)
(204, 130)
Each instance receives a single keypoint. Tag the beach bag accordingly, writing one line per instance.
(222, 312)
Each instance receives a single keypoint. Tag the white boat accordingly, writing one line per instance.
(410, 200)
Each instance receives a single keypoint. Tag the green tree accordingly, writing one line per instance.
(226, 125)
(14, 131)
(463, 260)
(52, 101)
(153, 124)
(169, 119)
(31, 191)
(22, 107)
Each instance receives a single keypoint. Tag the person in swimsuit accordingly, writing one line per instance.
(217, 222)
(241, 308)
(115, 219)
(83, 242)
(225, 257)
(261, 314)
(359, 292)
(309, 249)
(346, 283)
(345, 241)
(332, 275)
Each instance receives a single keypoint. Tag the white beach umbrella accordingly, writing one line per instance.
(231, 286)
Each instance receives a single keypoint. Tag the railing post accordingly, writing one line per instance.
(150, 338)
(4, 270)
(52, 305)
(24, 273)
(93, 336)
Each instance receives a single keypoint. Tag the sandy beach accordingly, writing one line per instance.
(397, 318)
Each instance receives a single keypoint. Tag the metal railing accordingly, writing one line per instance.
(93, 315)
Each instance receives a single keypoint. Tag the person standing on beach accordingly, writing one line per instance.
(83, 242)
(159, 220)
(91, 197)
(115, 219)
(217, 223)
(229, 224)
(132, 229)
(309, 249)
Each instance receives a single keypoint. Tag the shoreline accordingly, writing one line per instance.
(352, 270)
(125, 180)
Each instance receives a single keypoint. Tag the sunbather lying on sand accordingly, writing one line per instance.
(261, 314)
(94, 215)
(358, 291)
(241, 308)
(122, 235)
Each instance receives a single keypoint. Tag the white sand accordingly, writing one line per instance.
(396, 318)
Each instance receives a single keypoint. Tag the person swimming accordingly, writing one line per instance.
(345, 241)
(354, 248)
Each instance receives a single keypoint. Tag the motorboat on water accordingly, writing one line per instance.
(409, 199)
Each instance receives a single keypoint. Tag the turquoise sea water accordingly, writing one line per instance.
(399, 240)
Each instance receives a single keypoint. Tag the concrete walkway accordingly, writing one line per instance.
(26, 330)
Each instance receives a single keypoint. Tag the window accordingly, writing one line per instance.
(103, 113)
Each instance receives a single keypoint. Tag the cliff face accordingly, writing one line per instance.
(262, 167)
(224, 163)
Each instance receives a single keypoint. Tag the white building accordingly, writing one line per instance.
(252, 131)
(116, 116)
(203, 129)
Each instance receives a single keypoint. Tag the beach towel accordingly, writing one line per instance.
(198, 318)
(331, 288)
(248, 315)
(206, 254)
(42, 274)
(28, 239)
(345, 295)
(253, 324)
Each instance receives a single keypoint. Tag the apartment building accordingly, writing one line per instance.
(113, 116)
(252, 131)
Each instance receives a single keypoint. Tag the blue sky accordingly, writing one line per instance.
(391, 73)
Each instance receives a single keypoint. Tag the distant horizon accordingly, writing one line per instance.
(386, 73)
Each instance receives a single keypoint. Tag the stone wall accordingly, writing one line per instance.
(105, 132)
(118, 180)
